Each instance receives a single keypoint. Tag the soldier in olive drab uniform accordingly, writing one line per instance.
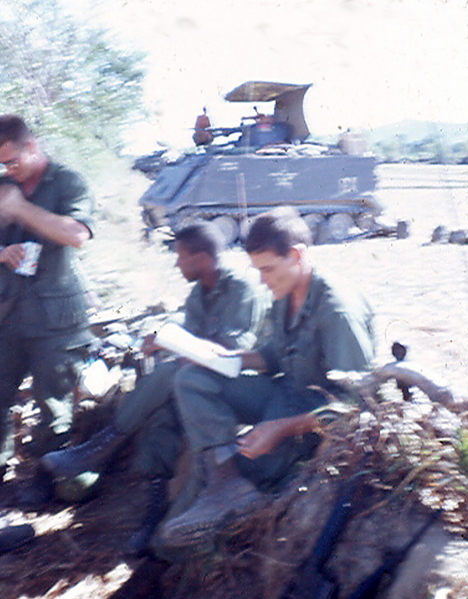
(224, 306)
(43, 320)
(318, 325)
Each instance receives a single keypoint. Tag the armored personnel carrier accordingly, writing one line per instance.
(234, 173)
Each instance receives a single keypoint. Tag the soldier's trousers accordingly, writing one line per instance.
(55, 365)
(212, 406)
(149, 412)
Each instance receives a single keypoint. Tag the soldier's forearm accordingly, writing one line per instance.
(63, 230)
(299, 425)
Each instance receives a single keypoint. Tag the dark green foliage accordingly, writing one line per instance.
(73, 86)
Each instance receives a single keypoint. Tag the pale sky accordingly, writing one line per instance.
(372, 62)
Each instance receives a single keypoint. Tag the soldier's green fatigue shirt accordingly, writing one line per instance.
(232, 314)
(332, 330)
(47, 321)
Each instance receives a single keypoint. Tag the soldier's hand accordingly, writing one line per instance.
(12, 255)
(149, 345)
(262, 439)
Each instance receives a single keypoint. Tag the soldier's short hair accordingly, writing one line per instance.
(13, 128)
(202, 236)
(278, 231)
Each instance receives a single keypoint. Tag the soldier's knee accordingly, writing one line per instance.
(184, 375)
(194, 378)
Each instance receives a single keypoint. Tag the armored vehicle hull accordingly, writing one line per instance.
(269, 165)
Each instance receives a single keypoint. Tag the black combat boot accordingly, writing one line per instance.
(226, 497)
(138, 544)
(12, 537)
(90, 456)
(45, 440)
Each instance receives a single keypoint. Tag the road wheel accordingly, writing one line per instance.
(229, 227)
(314, 222)
(335, 229)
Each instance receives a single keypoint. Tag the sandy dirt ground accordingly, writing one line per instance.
(418, 289)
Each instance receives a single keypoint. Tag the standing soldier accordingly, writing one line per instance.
(43, 321)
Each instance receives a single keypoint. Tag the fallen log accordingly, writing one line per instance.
(368, 384)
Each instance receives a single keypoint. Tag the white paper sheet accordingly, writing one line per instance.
(175, 338)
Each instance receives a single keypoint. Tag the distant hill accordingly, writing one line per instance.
(416, 141)
(412, 131)
(451, 133)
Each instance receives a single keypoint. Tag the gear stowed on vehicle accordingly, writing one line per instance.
(234, 173)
